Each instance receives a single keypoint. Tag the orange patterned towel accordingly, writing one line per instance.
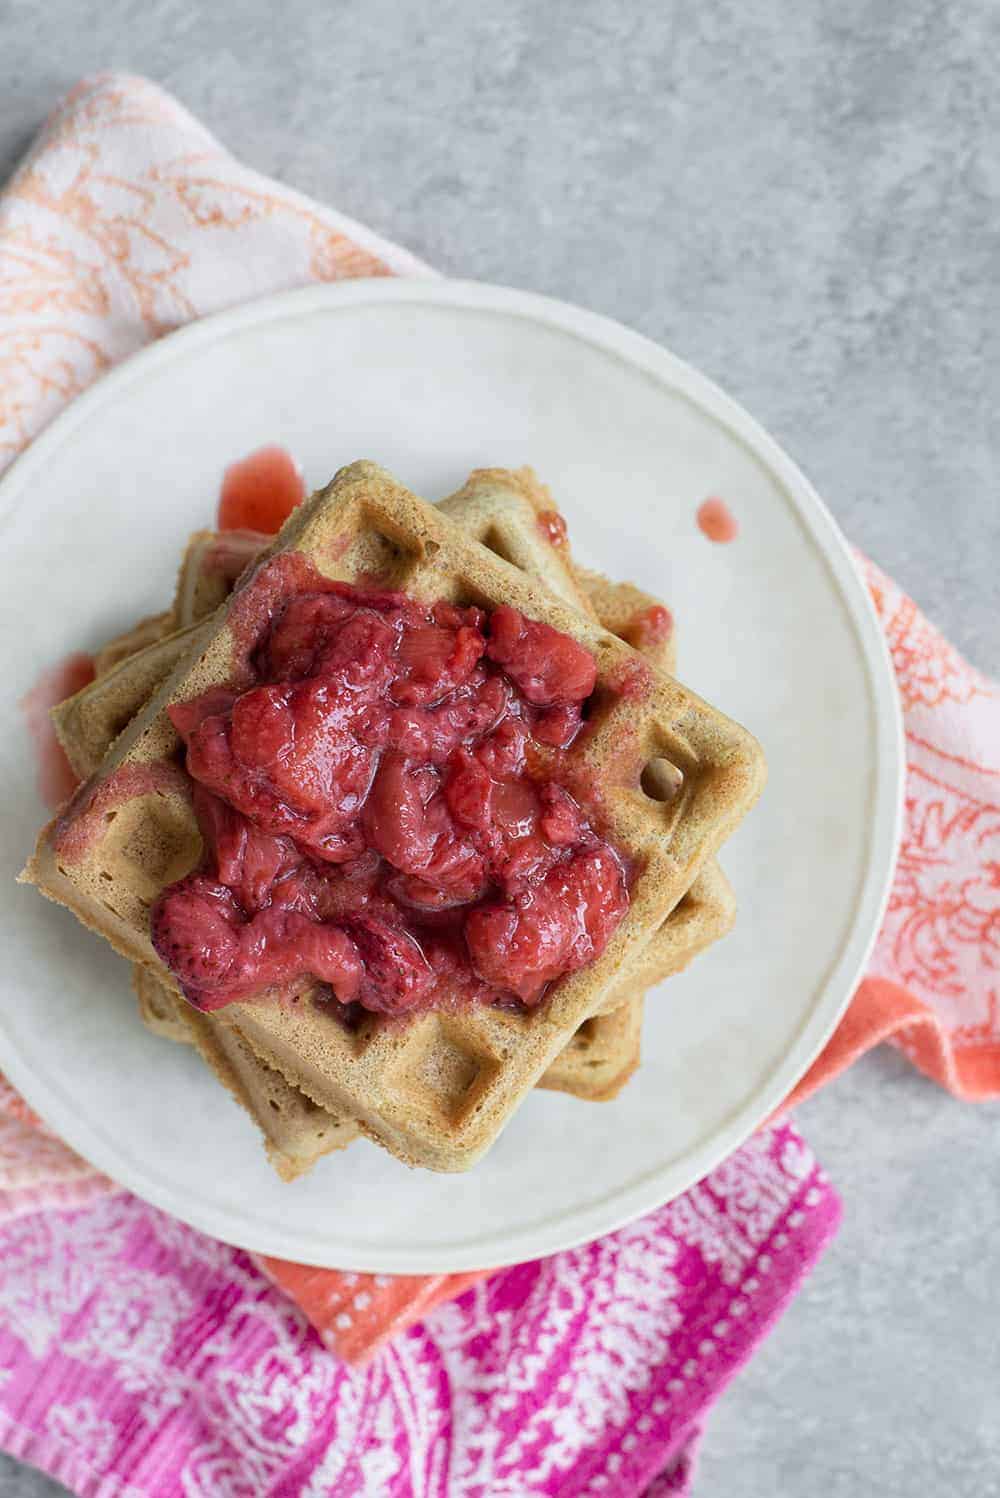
(127, 219)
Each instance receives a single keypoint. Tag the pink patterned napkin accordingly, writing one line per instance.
(138, 1357)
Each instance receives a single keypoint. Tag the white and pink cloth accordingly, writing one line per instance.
(138, 1357)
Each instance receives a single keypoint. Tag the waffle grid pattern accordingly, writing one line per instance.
(437, 1091)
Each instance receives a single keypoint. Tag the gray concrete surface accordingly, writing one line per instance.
(801, 198)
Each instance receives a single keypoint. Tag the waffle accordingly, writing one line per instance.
(501, 509)
(600, 1058)
(437, 1091)
(514, 515)
(492, 502)
(297, 1132)
(211, 563)
(146, 632)
(87, 724)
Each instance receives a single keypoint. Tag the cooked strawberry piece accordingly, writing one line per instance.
(550, 668)
(434, 661)
(219, 957)
(418, 895)
(361, 651)
(286, 757)
(246, 859)
(262, 729)
(187, 716)
(396, 974)
(560, 926)
(431, 734)
(283, 947)
(558, 726)
(453, 616)
(195, 930)
(323, 632)
(502, 753)
(561, 819)
(300, 631)
(407, 819)
(468, 790)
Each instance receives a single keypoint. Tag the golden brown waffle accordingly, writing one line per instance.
(146, 632)
(211, 563)
(513, 515)
(499, 507)
(595, 1065)
(87, 724)
(302, 1132)
(437, 1091)
(619, 606)
(297, 1132)
(602, 1056)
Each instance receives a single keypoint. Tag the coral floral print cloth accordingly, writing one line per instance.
(138, 1357)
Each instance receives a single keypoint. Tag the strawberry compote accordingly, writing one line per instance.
(260, 491)
(373, 810)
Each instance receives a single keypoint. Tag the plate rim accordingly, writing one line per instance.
(662, 1184)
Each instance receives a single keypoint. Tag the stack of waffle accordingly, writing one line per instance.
(676, 778)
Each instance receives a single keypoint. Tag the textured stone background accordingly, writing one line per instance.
(802, 199)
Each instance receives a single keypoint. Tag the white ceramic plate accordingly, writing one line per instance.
(432, 379)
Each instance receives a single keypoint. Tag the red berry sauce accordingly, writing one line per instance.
(260, 491)
(650, 627)
(553, 526)
(716, 520)
(374, 811)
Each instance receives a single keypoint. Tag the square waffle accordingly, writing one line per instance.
(602, 1055)
(437, 1092)
(297, 1131)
